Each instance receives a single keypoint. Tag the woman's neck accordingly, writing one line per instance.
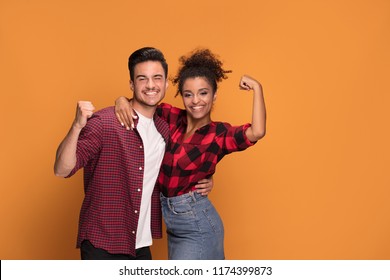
(194, 124)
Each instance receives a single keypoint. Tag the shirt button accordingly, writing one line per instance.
(135, 211)
(138, 190)
(140, 168)
(133, 232)
(140, 147)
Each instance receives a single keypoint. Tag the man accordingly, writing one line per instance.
(121, 212)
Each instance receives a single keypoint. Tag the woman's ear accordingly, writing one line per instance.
(215, 97)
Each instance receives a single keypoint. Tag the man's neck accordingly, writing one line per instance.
(146, 111)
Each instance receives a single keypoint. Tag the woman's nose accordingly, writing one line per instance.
(195, 99)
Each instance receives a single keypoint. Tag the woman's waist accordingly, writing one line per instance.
(174, 189)
(190, 196)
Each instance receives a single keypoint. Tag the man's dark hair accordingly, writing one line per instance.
(146, 54)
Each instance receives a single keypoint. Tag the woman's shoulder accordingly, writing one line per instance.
(170, 113)
(166, 106)
(220, 126)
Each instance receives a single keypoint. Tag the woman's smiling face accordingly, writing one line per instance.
(198, 97)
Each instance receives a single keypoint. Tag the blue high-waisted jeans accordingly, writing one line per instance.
(195, 230)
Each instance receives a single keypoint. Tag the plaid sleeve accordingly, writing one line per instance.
(169, 113)
(88, 144)
(235, 139)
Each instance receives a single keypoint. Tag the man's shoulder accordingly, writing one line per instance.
(105, 118)
(162, 127)
(107, 112)
(160, 122)
(104, 115)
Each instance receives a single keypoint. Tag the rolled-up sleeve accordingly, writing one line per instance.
(88, 144)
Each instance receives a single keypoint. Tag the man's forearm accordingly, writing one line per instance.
(66, 153)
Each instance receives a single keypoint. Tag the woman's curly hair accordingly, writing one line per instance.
(200, 63)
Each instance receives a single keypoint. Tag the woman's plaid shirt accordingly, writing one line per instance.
(187, 161)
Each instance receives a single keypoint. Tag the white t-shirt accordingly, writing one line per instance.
(154, 148)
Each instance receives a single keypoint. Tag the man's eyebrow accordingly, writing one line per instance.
(144, 76)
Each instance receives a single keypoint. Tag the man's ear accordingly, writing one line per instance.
(166, 84)
(131, 85)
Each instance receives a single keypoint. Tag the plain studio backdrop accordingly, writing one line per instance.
(316, 187)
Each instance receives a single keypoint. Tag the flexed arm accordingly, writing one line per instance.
(258, 127)
(66, 152)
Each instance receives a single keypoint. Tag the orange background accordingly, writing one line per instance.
(316, 187)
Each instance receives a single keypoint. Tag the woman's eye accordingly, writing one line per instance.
(203, 93)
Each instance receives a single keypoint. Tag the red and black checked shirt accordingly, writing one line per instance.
(195, 158)
(113, 161)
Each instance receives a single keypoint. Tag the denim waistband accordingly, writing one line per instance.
(189, 197)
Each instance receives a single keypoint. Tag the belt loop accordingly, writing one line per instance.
(169, 204)
(192, 196)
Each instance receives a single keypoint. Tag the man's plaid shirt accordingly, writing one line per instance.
(113, 161)
(187, 161)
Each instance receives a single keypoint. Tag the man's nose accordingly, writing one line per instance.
(150, 84)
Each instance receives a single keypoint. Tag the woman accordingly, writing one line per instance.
(195, 229)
